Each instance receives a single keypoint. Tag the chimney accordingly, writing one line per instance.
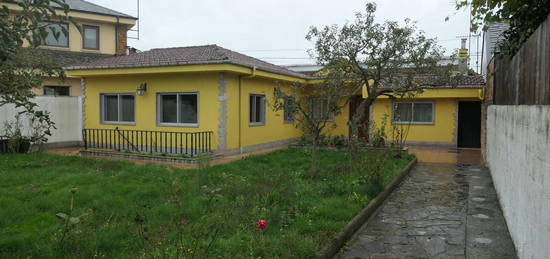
(463, 57)
(121, 39)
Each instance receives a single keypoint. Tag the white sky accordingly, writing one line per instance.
(274, 30)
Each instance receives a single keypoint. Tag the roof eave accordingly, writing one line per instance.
(299, 76)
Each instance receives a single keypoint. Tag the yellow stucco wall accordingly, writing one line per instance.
(442, 131)
(206, 84)
(274, 128)
(238, 87)
(107, 38)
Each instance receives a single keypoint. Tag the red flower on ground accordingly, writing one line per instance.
(262, 224)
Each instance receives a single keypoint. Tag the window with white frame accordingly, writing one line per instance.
(90, 37)
(57, 34)
(320, 109)
(289, 109)
(180, 109)
(413, 112)
(257, 109)
(117, 108)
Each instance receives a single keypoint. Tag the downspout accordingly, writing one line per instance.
(251, 75)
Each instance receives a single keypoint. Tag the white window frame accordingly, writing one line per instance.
(119, 109)
(262, 121)
(394, 106)
(178, 110)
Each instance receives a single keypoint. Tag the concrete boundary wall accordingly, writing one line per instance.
(518, 154)
(66, 112)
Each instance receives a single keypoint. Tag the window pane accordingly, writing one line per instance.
(402, 112)
(423, 112)
(169, 108)
(127, 107)
(48, 90)
(289, 111)
(188, 108)
(110, 108)
(317, 108)
(252, 109)
(259, 109)
(53, 30)
(90, 38)
(62, 90)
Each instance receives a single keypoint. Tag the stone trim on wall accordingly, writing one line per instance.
(83, 100)
(222, 119)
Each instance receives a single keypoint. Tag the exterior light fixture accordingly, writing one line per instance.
(142, 89)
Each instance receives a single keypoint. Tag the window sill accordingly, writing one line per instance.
(91, 50)
(413, 123)
(256, 124)
(67, 48)
(118, 123)
(184, 125)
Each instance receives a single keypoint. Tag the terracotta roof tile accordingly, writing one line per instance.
(207, 54)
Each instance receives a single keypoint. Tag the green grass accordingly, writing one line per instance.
(207, 213)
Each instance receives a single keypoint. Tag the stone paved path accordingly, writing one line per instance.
(439, 211)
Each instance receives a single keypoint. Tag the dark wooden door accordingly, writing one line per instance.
(469, 124)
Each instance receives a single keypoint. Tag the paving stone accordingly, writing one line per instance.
(429, 216)
(483, 241)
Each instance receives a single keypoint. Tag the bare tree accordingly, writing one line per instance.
(313, 108)
(389, 59)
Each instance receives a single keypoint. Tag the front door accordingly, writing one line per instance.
(469, 124)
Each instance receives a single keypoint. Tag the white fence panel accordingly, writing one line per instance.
(66, 112)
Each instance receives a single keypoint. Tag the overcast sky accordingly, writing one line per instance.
(274, 30)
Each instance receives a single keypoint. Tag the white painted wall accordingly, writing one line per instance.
(66, 112)
(518, 153)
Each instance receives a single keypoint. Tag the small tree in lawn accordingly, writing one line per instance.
(389, 59)
(312, 108)
(22, 68)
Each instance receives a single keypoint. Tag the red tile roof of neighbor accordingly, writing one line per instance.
(207, 54)
(213, 54)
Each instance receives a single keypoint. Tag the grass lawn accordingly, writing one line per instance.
(157, 211)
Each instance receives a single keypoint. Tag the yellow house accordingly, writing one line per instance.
(103, 33)
(212, 98)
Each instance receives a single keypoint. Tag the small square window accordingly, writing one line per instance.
(180, 109)
(56, 90)
(117, 108)
(320, 109)
(90, 37)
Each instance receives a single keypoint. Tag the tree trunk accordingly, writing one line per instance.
(314, 155)
(354, 125)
